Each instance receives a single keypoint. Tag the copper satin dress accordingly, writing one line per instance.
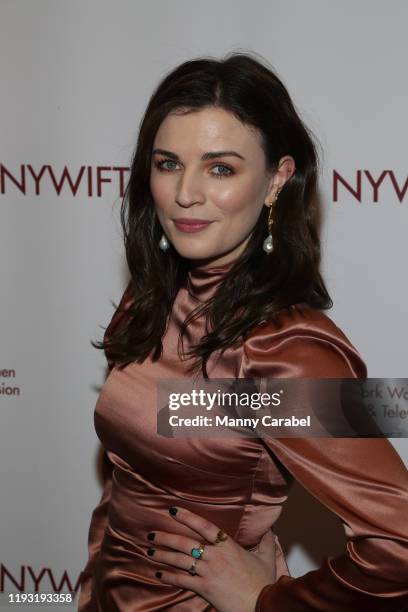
(237, 483)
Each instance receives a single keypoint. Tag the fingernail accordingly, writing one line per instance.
(173, 510)
(150, 535)
(150, 551)
(158, 574)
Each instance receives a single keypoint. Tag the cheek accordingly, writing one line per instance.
(160, 193)
(238, 204)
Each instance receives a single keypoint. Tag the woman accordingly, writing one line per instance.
(220, 226)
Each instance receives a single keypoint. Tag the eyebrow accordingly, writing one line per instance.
(204, 157)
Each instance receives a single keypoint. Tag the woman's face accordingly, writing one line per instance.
(225, 190)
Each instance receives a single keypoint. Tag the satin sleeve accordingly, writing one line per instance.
(99, 516)
(363, 481)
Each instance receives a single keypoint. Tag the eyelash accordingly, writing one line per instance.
(159, 166)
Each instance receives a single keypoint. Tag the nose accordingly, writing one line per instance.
(189, 190)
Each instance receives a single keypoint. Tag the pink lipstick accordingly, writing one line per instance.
(191, 225)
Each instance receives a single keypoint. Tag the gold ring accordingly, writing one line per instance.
(221, 537)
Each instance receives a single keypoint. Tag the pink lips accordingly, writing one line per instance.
(191, 225)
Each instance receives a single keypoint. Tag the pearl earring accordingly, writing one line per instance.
(164, 244)
(268, 242)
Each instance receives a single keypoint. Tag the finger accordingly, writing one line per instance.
(267, 546)
(202, 526)
(182, 544)
(179, 560)
(184, 581)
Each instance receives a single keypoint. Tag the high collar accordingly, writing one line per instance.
(202, 281)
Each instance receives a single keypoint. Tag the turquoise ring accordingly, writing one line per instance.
(197, 552)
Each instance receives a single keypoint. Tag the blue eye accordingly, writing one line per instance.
(159, 164)
(225, 168)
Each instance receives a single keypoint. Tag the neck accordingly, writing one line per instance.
(204, 278)
(209, 264)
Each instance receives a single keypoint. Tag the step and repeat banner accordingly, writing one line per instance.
(76, 78)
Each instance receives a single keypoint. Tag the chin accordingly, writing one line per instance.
(189, 254)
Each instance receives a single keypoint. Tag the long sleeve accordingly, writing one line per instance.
(99, 515)
(362, 481)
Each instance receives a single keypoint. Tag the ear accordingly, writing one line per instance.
(286, 169)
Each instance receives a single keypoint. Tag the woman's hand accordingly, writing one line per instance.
(227, 576)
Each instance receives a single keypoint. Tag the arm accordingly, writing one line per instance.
(362, 481)
(99, 516)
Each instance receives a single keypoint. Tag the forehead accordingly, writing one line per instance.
(205, 130)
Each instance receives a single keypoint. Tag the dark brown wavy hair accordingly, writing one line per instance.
(258, 285)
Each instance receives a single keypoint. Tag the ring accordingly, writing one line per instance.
(191, 569)
(221, 537)
(197, 551)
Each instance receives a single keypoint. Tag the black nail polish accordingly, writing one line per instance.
(150, 535)
(150, 551)
(158, 574)
(173, 510)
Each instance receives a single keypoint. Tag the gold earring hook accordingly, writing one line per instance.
(270, 220)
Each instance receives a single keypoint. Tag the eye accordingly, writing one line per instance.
(159, 165)
(229, 170)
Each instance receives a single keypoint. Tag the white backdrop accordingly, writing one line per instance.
(76, 77)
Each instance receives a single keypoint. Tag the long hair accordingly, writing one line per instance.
(258, 284)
